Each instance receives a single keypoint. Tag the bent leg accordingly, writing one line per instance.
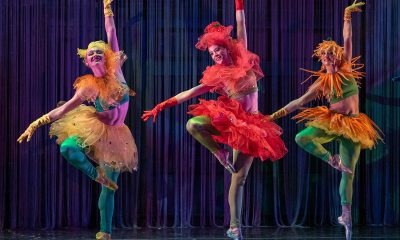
(75, 155)
(311, 140)
(201, 129)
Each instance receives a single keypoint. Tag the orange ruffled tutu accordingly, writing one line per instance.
(110, 145)
(359, 129)
(249, 133)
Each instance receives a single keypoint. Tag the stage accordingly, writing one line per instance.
(373, 232)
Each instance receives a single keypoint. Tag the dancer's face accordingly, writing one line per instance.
(219, 54)
(327, 58)
(95, 58)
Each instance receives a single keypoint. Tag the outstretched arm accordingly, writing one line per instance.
(347, 29)
(110, 26)
(241, 22)
(310, 95)
(179, 98)
(53, 115)
(59, 112)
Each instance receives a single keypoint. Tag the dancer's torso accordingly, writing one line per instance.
(245, 92)
(347, 104)
(114, 116)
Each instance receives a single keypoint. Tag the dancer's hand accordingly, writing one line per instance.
(267, 118)
(32, 128)
(26, 135)
(355, 7)
(148, 114)
(157, 109)
(107, 8)
(107, 3)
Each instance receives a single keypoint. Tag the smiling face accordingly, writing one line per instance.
(95, 58)
(328, 58)
(219, 54)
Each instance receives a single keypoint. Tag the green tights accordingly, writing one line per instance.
(311, 140)
(75, 155)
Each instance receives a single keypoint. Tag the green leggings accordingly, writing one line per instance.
(311, 140)
(201, 129)
(75, 155)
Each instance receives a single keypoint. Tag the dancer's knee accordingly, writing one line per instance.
(302, 139)
(192, 126)
(71, 151)
(239, 179)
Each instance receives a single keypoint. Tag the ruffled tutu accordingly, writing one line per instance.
(359, 129)
(249, 133)
(110, 145)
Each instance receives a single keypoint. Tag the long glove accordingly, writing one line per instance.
(239, 5)
(43, 120)
(157, 109)
(278, 114)
(352, 8)
(107, 8)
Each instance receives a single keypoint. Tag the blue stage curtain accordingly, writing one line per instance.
(179, 183)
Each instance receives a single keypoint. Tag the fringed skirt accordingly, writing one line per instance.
(359, 129)
(110, 145)
(249, 133)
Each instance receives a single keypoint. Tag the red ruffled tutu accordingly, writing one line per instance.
(249, 133)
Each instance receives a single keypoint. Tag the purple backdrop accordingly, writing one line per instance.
(179, 183)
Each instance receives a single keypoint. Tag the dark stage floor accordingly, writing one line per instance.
(213, 233)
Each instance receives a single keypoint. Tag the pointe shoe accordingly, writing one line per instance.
(345, 221)
(336, 162)
(234, 233)
(104, 180)
(222, 156)
(103, 236)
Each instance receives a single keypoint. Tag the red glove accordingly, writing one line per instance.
(239, 5)
(157, 109)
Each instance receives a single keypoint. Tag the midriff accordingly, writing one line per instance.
(347, 106)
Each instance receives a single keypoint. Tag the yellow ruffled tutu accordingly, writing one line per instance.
(110, 145)
(359, 129)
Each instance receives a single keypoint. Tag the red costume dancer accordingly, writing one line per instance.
(233, 119)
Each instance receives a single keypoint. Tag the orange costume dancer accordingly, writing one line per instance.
(233, 119)
(337, 81)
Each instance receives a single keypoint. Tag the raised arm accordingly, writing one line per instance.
(241, 22)
(53, 115)
(310, 95)
(347, 30)
(110, 26)
(177, 99)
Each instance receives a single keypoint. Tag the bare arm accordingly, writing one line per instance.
(347, 41)
(310, 95)
(49, 117)
(110, 26)
(177, 99)
(347, 29)
(59, 112)
(241, 22)
(191, 93)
